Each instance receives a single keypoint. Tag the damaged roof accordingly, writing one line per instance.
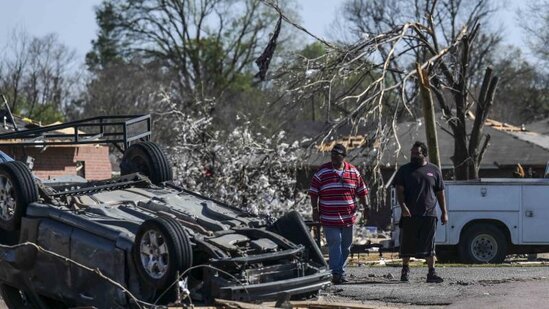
(509, 145)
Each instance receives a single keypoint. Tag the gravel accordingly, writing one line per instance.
(382, 284)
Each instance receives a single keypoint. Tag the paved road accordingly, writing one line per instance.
(464, 287)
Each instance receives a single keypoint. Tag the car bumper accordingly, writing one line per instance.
(273, 290)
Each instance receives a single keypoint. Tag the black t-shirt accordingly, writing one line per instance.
(420, 185)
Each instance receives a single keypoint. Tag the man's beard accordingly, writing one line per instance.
(337, 163)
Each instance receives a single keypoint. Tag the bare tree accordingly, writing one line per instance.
(13, 66)
(211, 44)
(522, 94)
(39, 76)
(441, 40)
(129, 88)
(535, 22)
(456, 79)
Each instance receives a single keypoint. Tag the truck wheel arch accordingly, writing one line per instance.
(496, 230)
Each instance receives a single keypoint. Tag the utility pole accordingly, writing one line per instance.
(429, 116)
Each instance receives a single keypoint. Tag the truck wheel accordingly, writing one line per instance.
(292, 227)
(483, 243)
(17, 190)
(161, 250)
(148, 159)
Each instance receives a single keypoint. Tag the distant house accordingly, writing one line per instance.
(509, 146)
(90, 160)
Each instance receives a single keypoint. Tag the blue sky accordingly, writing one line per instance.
(74, 20)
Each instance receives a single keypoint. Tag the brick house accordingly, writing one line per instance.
(90, 161)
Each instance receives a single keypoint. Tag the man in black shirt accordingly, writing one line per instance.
(419, 186)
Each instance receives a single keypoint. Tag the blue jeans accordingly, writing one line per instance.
(339, 241)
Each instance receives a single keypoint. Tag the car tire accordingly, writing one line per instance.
(162, 244)
(292, 227)
(148, 159)
(483, 243)
(17, 190)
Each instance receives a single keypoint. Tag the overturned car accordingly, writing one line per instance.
(140, 241)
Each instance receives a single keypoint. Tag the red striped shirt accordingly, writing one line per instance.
(336, 194)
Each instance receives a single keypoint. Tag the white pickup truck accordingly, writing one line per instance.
(489, 219)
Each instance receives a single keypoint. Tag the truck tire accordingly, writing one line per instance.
(148, 159)
(161, 250)
(17, 190)
(483, 243)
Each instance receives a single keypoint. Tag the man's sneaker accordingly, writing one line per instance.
(432, 277)
(404, 276)
(339, 279)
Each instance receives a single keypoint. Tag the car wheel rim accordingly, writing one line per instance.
(484, 247)
(7, 199)
(154, 254)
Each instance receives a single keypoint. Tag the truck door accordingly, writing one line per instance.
(535, 214)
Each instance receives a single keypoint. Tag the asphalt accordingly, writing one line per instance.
(463, 287)
(511, 286)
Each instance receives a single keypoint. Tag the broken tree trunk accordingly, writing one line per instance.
(429, 116)
(484, 102)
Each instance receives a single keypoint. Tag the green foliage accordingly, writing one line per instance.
(106, 48)
(313, 50)
(200, 53)
(45, 113)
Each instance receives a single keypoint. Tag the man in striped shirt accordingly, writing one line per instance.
(334, 189)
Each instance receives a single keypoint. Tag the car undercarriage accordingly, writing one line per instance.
(139, 240)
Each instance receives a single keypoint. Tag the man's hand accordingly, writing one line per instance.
(314, 207)
(444, 218)
(405, 211)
